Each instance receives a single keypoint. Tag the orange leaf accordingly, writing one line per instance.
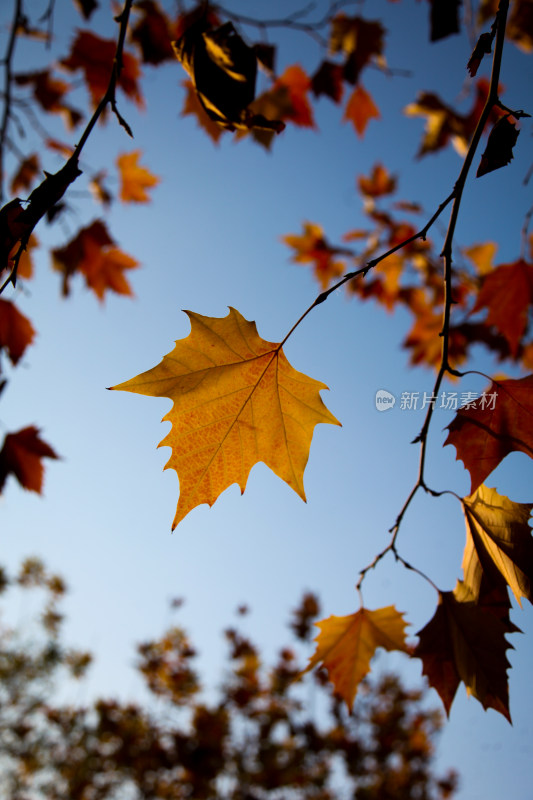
(16, 331)
(313, 248)
(237, 401)
(378, 184)
(346, 645)
(482, 256)
(48, 92)
(21, 457)
(360, 109)
(134, 178)
(93, 253)
(95, 57)
(297, 83)
(501, 422)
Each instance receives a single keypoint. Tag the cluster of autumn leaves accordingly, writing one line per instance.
(236, 398)
(253, 737)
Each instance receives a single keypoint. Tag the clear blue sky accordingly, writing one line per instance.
(209, 239)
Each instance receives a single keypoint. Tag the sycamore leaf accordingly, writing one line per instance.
(444, 18)
(93, 253)
(507, 292)
(21, 457)
(499, 151)
(95, 57)
(346, 645)
(236, 401)
(482, 256)
(498, 537)
(134, 179)
(313, 248)
(16, 331)
(25, 175)
(500, 423)
(379, 183)
(360, 109)
(152, 33)
(193, 107)
(464, 642)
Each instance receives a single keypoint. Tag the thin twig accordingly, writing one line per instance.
(8, 80)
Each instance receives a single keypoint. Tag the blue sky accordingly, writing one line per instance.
(209, 239)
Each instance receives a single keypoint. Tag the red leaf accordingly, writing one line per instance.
(16, 331)
(483, 436)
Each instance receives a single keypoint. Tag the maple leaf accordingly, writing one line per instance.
(16, 331)
(463, 642)
(507, 292)
(95, 57)
(378, 184)
(193, 106)
(134, 179)
(499, 151)
(21, 457)
(48, 92)
(484, 435)
(482, 256)
(444, 18)
(236, 401)
(152, 33)
(313, 248)
(327, 80)
(360, 109)
(26, 174)
(92, 252)
(498, 541)
(359, 39)
(297, 84)
(346, 645)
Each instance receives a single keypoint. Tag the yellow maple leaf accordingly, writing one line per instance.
(498, 537)
(237, 401)
(134, 178)
(346, 645)
(482, 256)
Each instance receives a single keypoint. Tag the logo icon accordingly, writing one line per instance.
(384, 400)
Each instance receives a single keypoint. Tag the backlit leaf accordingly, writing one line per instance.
(346, 645)
(360, 109)
(500, 423)
(21, 457)
(134, 179)
(236, 401)
(463, 642)
(16, 331)
(498, 537)
(499, 151)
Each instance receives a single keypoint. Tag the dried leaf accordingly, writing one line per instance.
(236, 401)
(483, 47)
(463, 642)
(346, 645)
(327, 80)
(16, 331)
(444, 18)
(21, 457)
(380, 182)
(485, 434)
(152, 33)
(499, 150)
(507, 293)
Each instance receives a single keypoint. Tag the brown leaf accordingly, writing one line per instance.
(483, 47)
(21, 457)
(359, 39)
(380, 182)
(465, 643)
(499, 150)
(95, 56)
(26, 173)
(49, 92)
(193, 107)
(501, 424)
(16, 331)
(152, 33)
(444, 18)
(327, 80)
